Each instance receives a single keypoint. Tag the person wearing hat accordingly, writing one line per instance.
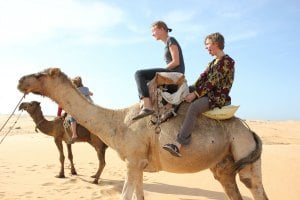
(174, 63)
(211, 90)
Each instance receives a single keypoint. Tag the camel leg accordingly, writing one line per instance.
(59, 145)
(252, 179)
(133, 185)
(101, 157)
(70, 156)
(222, 173)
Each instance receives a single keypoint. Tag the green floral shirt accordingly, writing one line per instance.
(216, 81)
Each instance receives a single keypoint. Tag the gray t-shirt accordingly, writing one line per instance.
(86, 92)
(168, 56)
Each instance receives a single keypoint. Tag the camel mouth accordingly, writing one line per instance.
(25, 91)
(23, 85)
(21, 109)
(22, 106)
(20, 88)
(37, 93)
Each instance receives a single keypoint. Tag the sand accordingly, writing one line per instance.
(29, 163)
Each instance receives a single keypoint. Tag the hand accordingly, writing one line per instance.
(190, 97)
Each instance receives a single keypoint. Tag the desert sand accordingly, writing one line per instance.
(29, 162)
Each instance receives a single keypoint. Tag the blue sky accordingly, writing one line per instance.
(106, 41)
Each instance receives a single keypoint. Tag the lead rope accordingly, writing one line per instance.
(157, 124)
(245, 123)
(9, 119)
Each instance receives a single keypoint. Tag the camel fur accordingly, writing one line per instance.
(56, 129)
(225, 147)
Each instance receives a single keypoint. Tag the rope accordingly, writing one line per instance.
(9, 119)
(157, 125)
(245, 123)
(36, 126)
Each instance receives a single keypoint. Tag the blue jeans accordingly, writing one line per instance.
(71, 119)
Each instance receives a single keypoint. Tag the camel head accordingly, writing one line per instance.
(30, 107)
(34, 82)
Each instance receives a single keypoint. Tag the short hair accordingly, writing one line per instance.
(77, 81)
(216, 38)
(161, 24)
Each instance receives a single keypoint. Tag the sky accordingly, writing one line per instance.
(106, 41)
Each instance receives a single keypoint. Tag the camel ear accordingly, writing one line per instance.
(37, 102)
(54, 72)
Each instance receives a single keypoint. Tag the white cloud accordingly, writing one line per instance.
(34, 20)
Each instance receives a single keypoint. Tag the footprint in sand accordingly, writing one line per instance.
(48, 184)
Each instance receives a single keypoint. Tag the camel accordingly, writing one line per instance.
(225, 147)
(56, 129)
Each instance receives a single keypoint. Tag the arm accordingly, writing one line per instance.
(201, 80)
(190, 97)
(193, 95)
(214, 77)
(175, 57)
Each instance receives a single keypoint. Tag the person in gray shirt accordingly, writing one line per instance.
(174, 63)
(77, 81)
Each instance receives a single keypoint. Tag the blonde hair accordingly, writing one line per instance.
(216, 38)
(77, 81)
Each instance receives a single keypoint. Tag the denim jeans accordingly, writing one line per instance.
(197, 107)
(142, 77)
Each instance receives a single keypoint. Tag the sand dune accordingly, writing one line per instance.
(29, 163)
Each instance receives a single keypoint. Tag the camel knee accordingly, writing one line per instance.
(250, 175)
(223, 168)
(143, 163)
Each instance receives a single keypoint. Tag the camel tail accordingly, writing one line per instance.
(252, 157)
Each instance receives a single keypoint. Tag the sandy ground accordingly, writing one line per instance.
(29, 163)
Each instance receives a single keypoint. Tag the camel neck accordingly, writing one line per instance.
(98, 120)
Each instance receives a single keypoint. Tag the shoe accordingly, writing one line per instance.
(143, 113)
(173, 149)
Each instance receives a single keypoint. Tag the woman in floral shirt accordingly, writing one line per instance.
(209, 91)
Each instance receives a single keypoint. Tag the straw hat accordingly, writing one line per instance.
(225, 112)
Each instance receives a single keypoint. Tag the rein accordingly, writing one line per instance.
(36, 126)
(9, 119)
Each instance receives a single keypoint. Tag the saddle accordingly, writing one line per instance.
(167, 90)
(66, 121)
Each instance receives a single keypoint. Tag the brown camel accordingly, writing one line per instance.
(225, 147)
(56, 129)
